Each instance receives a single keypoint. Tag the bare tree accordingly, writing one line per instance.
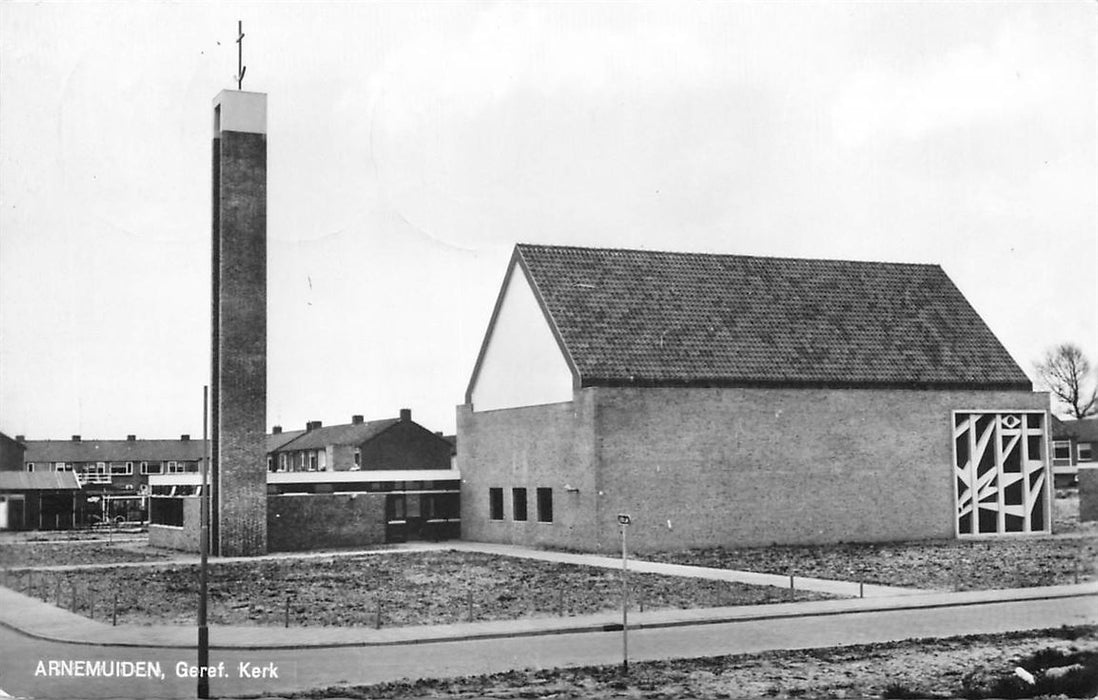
(1065, 371)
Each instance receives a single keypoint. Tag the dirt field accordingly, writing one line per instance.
(971, 667)
(413, 588)
(941, 565)
(75, 552)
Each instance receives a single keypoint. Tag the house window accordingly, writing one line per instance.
(301, 460)
(322, 460)
(358, 457)
(312, 461)
(518, 504)
(121, 468)
(63, 467)
(495, 504)
(30, 466)
(1061, 450)
(270, 463)
(282, 462)
(1085, 451)
(151, 468)
(545, 505)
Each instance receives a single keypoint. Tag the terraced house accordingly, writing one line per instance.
(736, 400)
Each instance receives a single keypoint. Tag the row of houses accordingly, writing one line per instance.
(114, 475)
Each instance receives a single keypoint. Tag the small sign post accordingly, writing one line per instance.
(623, 521)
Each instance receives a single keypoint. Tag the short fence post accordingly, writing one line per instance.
(287, 620)
(470, 605)
(114, 614)
(861, 589)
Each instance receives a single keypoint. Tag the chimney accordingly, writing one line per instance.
(356, 420)
(76, 438)
(313, 425)
(20, 438)
(185, 437)
(276, 430)
(131, 438)
(405, 415)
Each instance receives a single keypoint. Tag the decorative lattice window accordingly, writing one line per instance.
(1000, 464)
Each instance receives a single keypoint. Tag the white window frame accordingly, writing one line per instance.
(282, 461)
(1057, 444)
(1079, 452)
(121, 468)
(30, 466)
(146, 468)
(358, 457)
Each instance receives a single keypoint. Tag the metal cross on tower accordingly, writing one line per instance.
(240, 67)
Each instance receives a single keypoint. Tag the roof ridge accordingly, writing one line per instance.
(747, 256)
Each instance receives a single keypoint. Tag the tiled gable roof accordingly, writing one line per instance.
(112, 450)
(348, 434)
(277, 440)
(658, 318)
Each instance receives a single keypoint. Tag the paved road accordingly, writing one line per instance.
(301, 669)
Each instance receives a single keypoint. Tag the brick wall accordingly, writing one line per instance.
(1088, 493)
(729, 467)
(314, 521)
(186, 538)
(240, 343)
(539, 446)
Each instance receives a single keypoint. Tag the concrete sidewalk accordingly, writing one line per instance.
(35, 618)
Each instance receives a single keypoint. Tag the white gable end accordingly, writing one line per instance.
(522, 363)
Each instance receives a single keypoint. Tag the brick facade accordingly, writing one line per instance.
(316, 521)
(723, 466)
(1088, 493)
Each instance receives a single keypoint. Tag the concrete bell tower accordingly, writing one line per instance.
(238, 413)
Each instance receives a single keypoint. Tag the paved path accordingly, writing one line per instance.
(300, 669)
(804, 583)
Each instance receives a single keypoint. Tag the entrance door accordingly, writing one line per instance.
(1000, 462)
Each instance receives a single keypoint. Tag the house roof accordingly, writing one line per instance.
(4, 436)
(38, 481)
(277, 440)
(633, 317)
(347, 434)
(112, 450)
(1083, 429)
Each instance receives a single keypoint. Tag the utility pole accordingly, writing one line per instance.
(624, 521)
(203, 554)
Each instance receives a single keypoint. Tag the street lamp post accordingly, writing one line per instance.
(623, 521)
(203, 553)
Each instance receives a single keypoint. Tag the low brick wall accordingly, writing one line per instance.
(1088, 493)
(315, 521)
(185, 538)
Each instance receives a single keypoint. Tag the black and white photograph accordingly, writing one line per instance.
(548, 349)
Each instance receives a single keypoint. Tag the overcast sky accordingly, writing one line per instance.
(411, 145)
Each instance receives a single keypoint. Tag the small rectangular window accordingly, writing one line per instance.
(1061, 450)
(30, 466)
(151, 467)
(1085, 452)
(495, 503)
(358, 457)
(545, 505)
(518, 503)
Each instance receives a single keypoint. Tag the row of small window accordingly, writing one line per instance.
(317, 460)
(519, 511)
(116, 468)
(1084, 451)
